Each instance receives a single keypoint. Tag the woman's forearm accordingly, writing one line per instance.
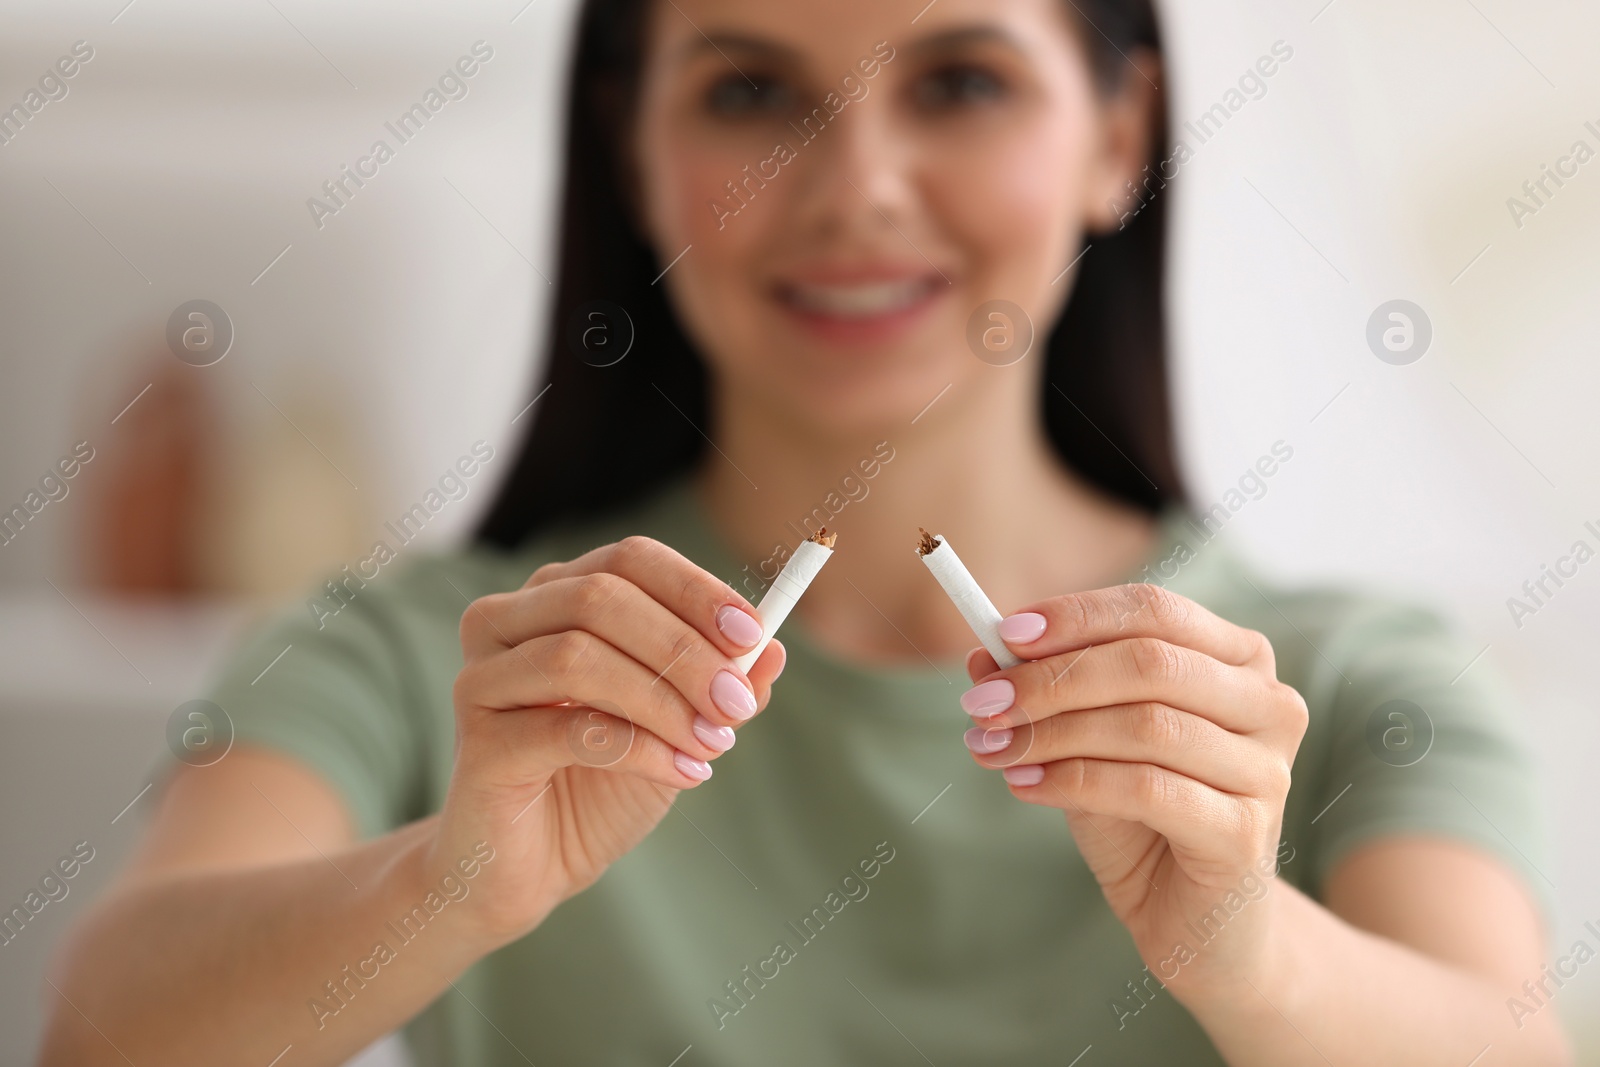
(1334, 994)
(326, 954)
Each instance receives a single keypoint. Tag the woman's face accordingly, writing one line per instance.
(852, 179)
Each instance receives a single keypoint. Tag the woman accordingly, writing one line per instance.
(478, 800)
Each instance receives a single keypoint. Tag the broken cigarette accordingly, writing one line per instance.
(966, 594)
(786, 590)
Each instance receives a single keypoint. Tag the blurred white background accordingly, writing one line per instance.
(1377, 166)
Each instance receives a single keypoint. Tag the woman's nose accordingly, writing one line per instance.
(856, 172)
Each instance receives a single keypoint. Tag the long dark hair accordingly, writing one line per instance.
(604, 435)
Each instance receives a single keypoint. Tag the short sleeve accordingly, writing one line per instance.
(335, 692)
(1426, 738)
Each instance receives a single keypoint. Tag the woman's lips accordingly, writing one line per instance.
(861, 311)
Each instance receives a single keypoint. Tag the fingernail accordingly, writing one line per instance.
(1024, 627)
(729, 694)
(699, 770)
(720, 738)
(1031, 775)
(987, 741)
(738, 627)
(990, 698)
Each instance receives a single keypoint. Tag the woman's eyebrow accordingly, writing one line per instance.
(722, 43)
(940, 42)
(958, 37)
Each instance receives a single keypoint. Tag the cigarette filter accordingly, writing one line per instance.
(786, 589)
(966, 594)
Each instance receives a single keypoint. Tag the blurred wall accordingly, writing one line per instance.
(178, 167)
(1374, 164)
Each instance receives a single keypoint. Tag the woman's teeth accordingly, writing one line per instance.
(858, 301)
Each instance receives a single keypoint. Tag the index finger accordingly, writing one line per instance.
(1081, 620)
(674, 581)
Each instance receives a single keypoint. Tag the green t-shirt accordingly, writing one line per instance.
(850, 887)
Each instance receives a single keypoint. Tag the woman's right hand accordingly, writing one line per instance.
(588, 699)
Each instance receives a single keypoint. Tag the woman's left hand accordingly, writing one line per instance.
(1163, 733)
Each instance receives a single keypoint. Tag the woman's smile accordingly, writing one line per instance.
(864, 306)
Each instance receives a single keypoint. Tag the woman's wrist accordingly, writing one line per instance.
(475, 886)
(432, 886)
(1264, 983)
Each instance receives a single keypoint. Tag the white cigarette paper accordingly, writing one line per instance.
(786, 589)
(967, 596)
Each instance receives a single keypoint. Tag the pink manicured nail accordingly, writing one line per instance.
(699, 770)
(729, 694)
(737, 626)
(990, 698)
(1022, 628)
(720, 738)
(1031, 775)
(988, 741)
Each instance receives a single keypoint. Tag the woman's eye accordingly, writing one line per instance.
(739, 97)
(957, 86)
